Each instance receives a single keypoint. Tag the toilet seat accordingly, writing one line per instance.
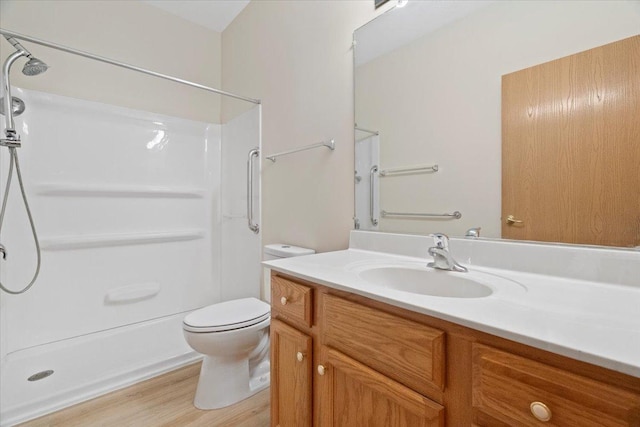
(227, 316)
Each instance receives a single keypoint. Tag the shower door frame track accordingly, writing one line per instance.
(84, 54)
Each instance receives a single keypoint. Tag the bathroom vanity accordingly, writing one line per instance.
(349, 353)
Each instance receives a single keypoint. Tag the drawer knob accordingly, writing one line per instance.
(284, 300)
(299, 356)
(540, 411)
(321, 370)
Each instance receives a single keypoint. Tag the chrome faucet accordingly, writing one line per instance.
(473, 232)
(442, 258)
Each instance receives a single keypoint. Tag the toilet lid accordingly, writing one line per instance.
(227, 315)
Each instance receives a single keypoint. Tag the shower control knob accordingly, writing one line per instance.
(321, 370)
(284, 300)
(299, 356)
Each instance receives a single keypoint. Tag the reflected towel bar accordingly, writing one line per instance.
(454, 215)
(373, 132)
(409, 169)
(330, 145)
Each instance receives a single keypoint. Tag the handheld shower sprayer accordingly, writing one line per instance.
(33, 67)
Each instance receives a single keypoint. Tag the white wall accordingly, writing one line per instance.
(438, 100)
(127, 31)
(296, 57)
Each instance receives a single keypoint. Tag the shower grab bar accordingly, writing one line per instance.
(372, 175)
(454, 215)
(252, 226)
(331, 145)
(122, 64)
(409, 169)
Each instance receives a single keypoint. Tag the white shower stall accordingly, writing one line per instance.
(142, 218)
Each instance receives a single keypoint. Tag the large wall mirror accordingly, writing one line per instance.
(428, 99)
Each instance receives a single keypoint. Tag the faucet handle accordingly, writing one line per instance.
(441, 240)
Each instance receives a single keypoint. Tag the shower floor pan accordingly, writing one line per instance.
(89, 366)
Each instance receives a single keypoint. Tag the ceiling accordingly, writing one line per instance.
(401, 25)
(213, 14)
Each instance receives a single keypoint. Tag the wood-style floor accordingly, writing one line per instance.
(166, 400)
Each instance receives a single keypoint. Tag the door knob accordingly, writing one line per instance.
(300, 356)
(540, 411)
(512, 220)
(284, 300)
(321, 370)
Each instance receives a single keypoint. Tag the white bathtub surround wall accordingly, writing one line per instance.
(241, 248)
(127, 207)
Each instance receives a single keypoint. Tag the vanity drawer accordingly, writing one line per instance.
(406, 351)
(508, 389)
(292, 300)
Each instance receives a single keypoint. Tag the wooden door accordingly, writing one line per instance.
(353, 395)
(571, 148)
(291, 365)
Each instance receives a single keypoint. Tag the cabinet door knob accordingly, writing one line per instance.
(300, 356)
(284, 300)
(540, 411)
(512, 220)
(321, 370)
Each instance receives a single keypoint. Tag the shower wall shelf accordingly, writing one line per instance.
(454, 215)
(408, 170)
(61, 243)
(331, 145)
(74, 190)
(132, 293)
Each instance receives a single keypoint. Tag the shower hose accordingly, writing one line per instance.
(14, 160)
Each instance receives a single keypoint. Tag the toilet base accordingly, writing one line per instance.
(224, 381)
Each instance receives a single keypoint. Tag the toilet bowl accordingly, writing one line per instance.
(233, 337)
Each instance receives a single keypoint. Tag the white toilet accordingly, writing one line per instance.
(233, 336)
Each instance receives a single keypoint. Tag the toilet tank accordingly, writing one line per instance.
(278, 251)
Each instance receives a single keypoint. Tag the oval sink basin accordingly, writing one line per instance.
(427, 281)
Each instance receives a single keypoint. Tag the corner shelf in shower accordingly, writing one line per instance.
(75, 190)
(61, 243)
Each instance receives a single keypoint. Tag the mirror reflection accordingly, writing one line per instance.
(428, 97)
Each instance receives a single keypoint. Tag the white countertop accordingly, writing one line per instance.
(594, 322)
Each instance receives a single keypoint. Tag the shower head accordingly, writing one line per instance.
(34, 66)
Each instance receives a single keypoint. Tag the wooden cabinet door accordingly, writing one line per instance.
(353, 395)
(291, 365)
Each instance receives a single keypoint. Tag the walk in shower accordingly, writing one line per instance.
(141, 218)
